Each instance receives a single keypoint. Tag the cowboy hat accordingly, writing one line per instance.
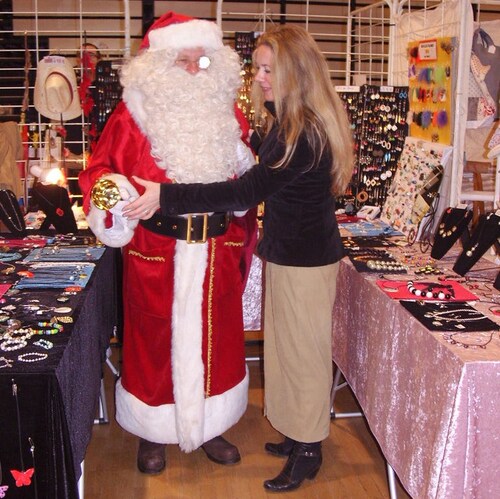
(56, 91)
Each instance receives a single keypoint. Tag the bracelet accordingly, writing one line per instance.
(12, 344)
(18, 334)
(66, 319)
(44, 343)
(48, 328)
(32, 357)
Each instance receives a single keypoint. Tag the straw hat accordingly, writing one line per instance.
(56, 91)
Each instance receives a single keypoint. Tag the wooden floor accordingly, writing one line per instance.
(353, 466)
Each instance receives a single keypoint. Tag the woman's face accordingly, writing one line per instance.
(263, 66)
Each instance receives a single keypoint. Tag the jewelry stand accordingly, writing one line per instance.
(11, 214)
(54, 201)
(484, 236)
(453, 224)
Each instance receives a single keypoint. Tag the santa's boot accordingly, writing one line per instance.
(151, 457)
(220, 451)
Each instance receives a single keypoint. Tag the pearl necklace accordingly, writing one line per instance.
(18, 221)
(32, 357)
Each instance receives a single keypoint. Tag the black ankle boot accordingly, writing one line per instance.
(304, 462)
(283, 449)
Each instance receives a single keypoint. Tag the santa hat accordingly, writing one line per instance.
(177, 31)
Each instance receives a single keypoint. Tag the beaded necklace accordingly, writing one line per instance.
(432, 290)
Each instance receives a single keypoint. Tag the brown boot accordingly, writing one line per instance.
(151, 457)
(220, 451)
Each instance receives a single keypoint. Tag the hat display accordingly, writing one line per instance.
(56, 91)
(177, 31)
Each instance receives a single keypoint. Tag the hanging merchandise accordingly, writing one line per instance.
(378, 121)
(484, 81)
(108, 92)
(244, 44)
(415, 186)
(430, 88)
(56, 92)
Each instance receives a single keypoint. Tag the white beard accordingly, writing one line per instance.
(188, 119)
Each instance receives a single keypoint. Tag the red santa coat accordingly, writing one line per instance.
(184, 378)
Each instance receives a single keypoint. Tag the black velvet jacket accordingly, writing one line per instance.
(299, 226)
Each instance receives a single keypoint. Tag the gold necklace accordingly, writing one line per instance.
(16, 219)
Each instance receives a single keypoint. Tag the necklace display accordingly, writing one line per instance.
(9, 208)
(453, 223)
(376, 260)
(483, 237)
(470, 251)
(449, 316)
(57, 207)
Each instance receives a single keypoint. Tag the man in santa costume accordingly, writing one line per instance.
(184, 379)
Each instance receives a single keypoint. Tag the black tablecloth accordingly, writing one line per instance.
(58, 397)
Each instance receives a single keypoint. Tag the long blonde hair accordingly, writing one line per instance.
(305, 101)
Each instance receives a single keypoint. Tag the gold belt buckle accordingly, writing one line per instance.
(189, 239)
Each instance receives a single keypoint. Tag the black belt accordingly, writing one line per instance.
(192, 228)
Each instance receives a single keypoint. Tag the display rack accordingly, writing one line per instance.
(33, 29)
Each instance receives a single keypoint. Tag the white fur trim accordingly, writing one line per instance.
(190, 34)
(122, 229)
(158, 424)
(190, 263)
(116, 236)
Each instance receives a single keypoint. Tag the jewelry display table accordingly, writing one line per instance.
(432, 403)
(50, 391)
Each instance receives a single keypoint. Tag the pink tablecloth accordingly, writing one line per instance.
(433, 407)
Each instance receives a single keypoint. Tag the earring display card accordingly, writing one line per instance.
(415, 184)
(450, 316)
(378, 121)
(430, 88)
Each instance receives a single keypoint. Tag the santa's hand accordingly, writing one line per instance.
(147, 205)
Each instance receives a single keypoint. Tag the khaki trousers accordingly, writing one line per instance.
(298, 371)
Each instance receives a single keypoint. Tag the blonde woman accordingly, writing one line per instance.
(305, 158)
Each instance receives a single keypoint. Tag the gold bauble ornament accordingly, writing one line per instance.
(105, 194)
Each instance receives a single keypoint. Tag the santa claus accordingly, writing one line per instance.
(184, 379)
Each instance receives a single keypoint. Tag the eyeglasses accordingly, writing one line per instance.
(201, 63)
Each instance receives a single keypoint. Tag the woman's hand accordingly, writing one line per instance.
(147, 205)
